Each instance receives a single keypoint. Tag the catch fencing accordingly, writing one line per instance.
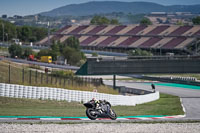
(46, 93)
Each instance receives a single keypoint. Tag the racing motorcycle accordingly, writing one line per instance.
(99, 109)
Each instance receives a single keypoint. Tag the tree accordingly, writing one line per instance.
(43, 52)
(39, 33)
(104, 20)
(73, 56)
(9, 30)
(70, 49)
(26, 33)
(72, 42)
(15, 50)
(55, 47)
(55, 51)
(53, 54)
(139, 52)
(27, 52)
(196, 20)
(114, 22)
(145, 21)
(98, 20)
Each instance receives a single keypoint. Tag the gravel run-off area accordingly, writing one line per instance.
(101, 128)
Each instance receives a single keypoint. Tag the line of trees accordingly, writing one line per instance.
(19, 52)
(23, 33)
(99, 20)
(70, 50)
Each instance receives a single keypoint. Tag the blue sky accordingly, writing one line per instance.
(29, 7)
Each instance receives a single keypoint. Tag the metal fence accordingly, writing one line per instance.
(15, 74)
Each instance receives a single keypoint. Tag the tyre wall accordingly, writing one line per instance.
(46, 93)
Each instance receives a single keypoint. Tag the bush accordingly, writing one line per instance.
(139, 52)
(145, 21)
(94, 55)
(15, 50)
(63, 74)
(196, 20)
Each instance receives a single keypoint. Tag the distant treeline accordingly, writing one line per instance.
(23, 33)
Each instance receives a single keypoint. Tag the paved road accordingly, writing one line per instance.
(190, 97)
(42, 64)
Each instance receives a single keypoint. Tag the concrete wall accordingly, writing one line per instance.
(32, 92)
(103, 67)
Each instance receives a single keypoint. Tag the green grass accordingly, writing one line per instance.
(30, 107)
(166, 105)
(47, 80)
(3, 49)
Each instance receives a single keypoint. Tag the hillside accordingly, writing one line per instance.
(91, 8)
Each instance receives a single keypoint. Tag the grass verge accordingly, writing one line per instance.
(166, 105)
(46, 80)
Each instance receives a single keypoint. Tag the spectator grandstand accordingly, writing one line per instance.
(166, 37)
(88, 40)
(129, 41)
(180, 30)
(115, 30)
(96, 29)
(158, 30)
(77, 30)
(107, 41)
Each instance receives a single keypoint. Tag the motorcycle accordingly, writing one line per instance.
(99, 109)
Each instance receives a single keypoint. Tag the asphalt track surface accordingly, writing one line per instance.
(42, 64)
(190, 95)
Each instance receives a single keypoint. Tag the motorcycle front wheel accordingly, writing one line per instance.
(91, 113)
(112, 114)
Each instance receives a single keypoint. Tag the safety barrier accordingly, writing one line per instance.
(178, 80)
(181, 78)
(46, 93)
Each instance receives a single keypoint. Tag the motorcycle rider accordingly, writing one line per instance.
(97, 103)
(99, 108)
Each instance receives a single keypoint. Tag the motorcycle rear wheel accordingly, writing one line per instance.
(112, 114)
(90, 114)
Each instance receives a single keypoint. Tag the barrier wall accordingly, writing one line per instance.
(32, 92)
(178, 80)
